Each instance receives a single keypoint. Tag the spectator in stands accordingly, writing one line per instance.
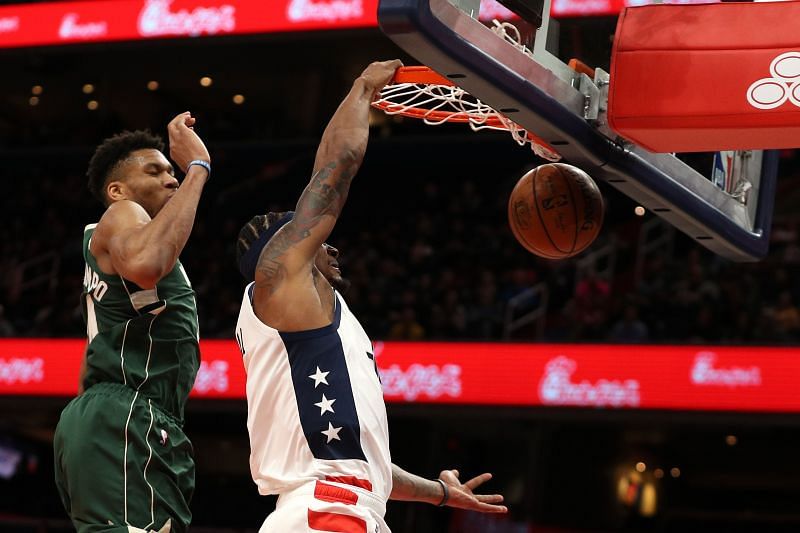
(406, 327)
(629, 328)
(6, 328)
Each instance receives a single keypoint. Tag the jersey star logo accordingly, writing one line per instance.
(319, 377)
(332, 433)
(325, 405)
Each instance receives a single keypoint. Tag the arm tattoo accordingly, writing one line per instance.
(324, 195)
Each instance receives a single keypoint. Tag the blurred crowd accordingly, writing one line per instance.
(430, 257)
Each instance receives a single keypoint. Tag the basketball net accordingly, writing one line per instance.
(418, 92)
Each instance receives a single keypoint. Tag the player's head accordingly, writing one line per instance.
(327, 262)
(131, 166)
(255, 235)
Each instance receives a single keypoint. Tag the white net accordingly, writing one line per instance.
(437, 104)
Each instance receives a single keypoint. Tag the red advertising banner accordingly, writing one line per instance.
(123, 20)
(687, 378)
(55, 23)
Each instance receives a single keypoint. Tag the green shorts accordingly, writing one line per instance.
(120, 460)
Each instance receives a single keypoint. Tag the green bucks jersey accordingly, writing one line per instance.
(146, 339)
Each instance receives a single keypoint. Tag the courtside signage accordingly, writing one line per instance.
(686, 378)
(56, 23)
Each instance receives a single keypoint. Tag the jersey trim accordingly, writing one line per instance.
(326, 407)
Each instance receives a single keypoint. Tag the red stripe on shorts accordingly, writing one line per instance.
(336, 523)
(332, 493)
(351, 480)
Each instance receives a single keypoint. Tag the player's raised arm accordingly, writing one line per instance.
(344, 142)
(147, 224)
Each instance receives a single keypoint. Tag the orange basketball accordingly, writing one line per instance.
(555, 211)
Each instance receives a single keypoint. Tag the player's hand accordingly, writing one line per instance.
(184, 144)
(461, 495)
(379, 73)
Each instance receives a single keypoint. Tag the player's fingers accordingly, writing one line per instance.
(450, 476)
(179, 119)
(478, 481)
(489, 498)
(190, 120)
(486, 508)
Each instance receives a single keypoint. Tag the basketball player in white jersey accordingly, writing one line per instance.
(316, 416)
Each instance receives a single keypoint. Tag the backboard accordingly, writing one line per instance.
(567, 109)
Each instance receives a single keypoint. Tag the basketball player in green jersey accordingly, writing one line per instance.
(122, 460)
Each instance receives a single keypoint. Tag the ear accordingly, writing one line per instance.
(116, 190)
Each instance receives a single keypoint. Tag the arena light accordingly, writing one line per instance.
(37, 89)
(206, 81)
(33, 100)
(92, 105)
(238, 99)
(152, 85)
(88, 88)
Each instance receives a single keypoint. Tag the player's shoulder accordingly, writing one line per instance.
(121, 215)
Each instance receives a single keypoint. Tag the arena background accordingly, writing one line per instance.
(425, 241)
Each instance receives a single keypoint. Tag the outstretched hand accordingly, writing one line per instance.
(461, 495)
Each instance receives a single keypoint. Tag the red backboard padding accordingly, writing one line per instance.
(691, 78)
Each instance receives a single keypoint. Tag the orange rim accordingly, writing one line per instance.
(420, 74)
(423, 75)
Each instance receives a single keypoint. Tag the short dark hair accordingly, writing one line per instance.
(114, 150)
(251, 232)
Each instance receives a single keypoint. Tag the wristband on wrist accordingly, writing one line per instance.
(199, 162)
(445, 494)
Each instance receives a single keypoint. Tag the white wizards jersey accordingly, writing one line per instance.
(315, 408)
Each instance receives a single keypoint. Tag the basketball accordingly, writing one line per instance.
(555, 211)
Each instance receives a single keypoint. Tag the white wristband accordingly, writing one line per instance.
(205, 164)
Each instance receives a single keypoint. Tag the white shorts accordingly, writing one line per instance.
(327, 506)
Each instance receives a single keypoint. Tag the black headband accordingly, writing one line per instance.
(249, 260)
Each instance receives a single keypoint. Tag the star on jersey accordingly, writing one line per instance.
(319, 377)
(332, 433)
(325, 405)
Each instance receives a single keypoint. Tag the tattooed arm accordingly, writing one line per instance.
(283, 274)
(410, 487)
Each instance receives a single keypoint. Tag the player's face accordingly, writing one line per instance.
(149, 179)
(327, 263)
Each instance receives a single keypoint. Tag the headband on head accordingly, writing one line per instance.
(249, 260)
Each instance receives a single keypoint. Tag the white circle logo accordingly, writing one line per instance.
(794, 93)
(771, 93)
(767, 93)
(786, 66)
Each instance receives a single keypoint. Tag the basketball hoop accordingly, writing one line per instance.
(421, 93)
